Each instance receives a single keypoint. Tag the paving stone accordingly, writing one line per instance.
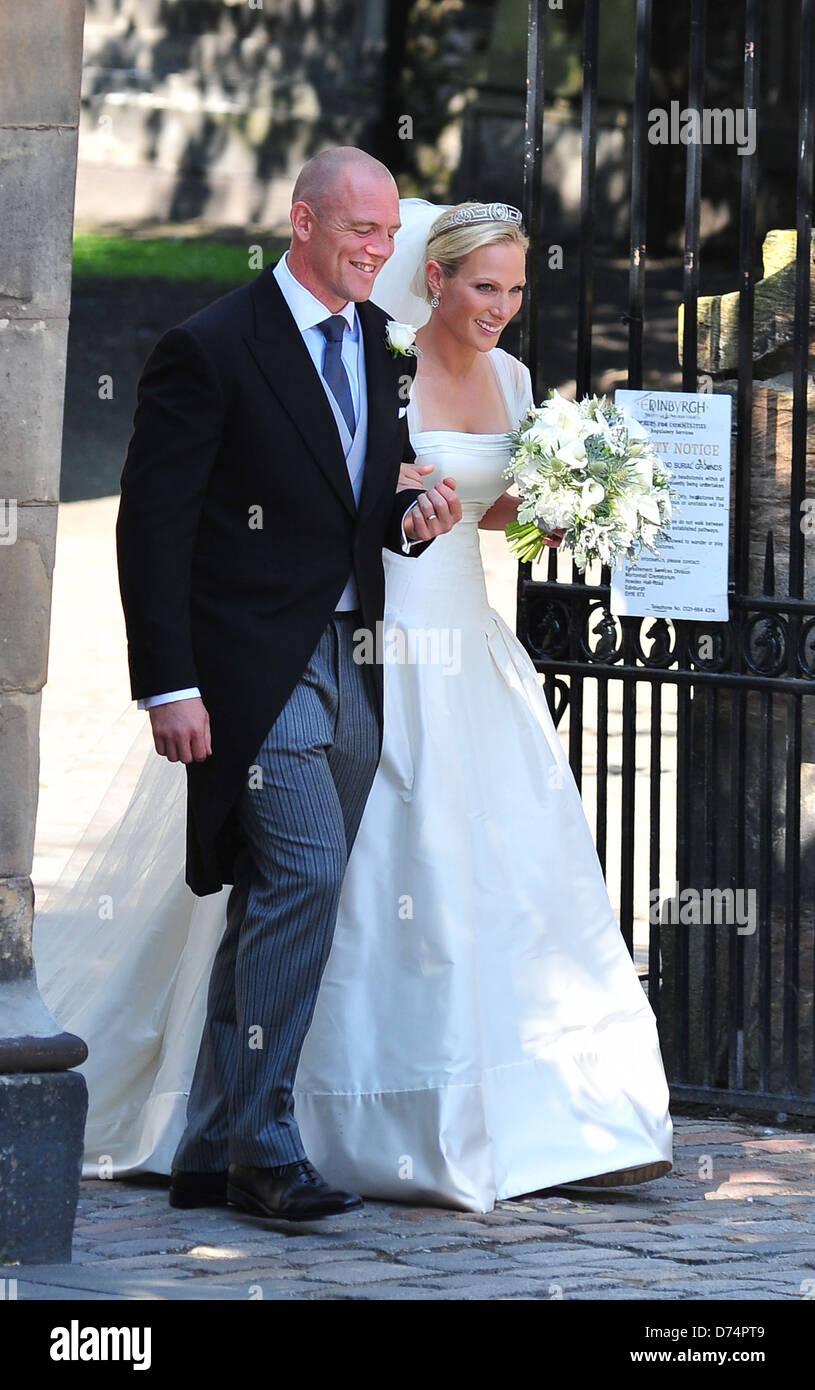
(711, 1134)
(104, 1224)
(758, 1230)
(780, 1144)
(150, 1245)
(456, 1262)
(476, 1287)
(47, 1293)
(704, 1255)
(737, 1292)
(424, 1292)
(403, 1245)
(249, 1269)
(152, 1283)
(362, 1271)
(748, 1274)
(550, 1250)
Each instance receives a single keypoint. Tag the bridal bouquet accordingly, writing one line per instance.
(589, 468)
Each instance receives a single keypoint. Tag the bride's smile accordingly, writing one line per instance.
(472, 302)
(476, 303)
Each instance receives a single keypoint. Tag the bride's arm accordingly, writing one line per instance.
(499, 515)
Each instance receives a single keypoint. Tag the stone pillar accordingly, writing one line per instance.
(42, 1103)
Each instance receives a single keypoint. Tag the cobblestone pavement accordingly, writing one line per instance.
(735, 1220)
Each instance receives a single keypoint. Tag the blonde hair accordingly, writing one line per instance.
(449, 247)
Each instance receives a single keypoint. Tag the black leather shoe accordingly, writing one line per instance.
(197, 1189)
(293, 1192)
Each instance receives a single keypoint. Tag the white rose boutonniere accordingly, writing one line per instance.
(400, 339)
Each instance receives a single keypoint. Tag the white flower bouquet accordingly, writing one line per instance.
(588, 468)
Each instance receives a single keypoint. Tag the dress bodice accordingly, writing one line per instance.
(446, 583)
(476, 461)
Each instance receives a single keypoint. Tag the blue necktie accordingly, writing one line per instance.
(334, 372)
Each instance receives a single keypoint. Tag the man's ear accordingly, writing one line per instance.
(302, 220)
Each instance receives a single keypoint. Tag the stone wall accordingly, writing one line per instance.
(42, 1102)
(205, 109)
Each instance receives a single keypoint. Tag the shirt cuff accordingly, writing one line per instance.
(406, 544)
(192, 694)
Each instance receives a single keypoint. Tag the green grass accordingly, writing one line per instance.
(168, 258)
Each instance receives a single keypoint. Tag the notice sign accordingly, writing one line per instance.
(688, 579)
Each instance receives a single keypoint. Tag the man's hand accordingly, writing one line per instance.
(436, 511)
(181, 731)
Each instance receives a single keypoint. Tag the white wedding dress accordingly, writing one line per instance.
(480, 1031)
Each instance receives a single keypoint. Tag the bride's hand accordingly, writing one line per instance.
(434, 513)
(181, 730)
(411, 475)
(554, 537)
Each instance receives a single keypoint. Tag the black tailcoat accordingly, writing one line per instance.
(237, 530)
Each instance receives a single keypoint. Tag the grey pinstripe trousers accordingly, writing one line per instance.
(313, 774)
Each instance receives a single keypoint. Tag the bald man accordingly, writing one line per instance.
(259, 489)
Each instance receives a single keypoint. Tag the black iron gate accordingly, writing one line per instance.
(700, 772)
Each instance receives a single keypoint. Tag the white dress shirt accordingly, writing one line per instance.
(308, 312)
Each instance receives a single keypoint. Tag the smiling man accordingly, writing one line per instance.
(344, 217)
(259, 490)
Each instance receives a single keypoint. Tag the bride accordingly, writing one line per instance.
(480, 1030)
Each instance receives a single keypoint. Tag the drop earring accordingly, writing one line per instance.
(435, 302)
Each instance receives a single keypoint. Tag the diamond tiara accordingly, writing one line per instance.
(478, 212)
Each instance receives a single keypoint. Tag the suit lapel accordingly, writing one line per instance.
(278, 348)
(382, 403)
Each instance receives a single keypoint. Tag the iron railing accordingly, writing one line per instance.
(735, 1010)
